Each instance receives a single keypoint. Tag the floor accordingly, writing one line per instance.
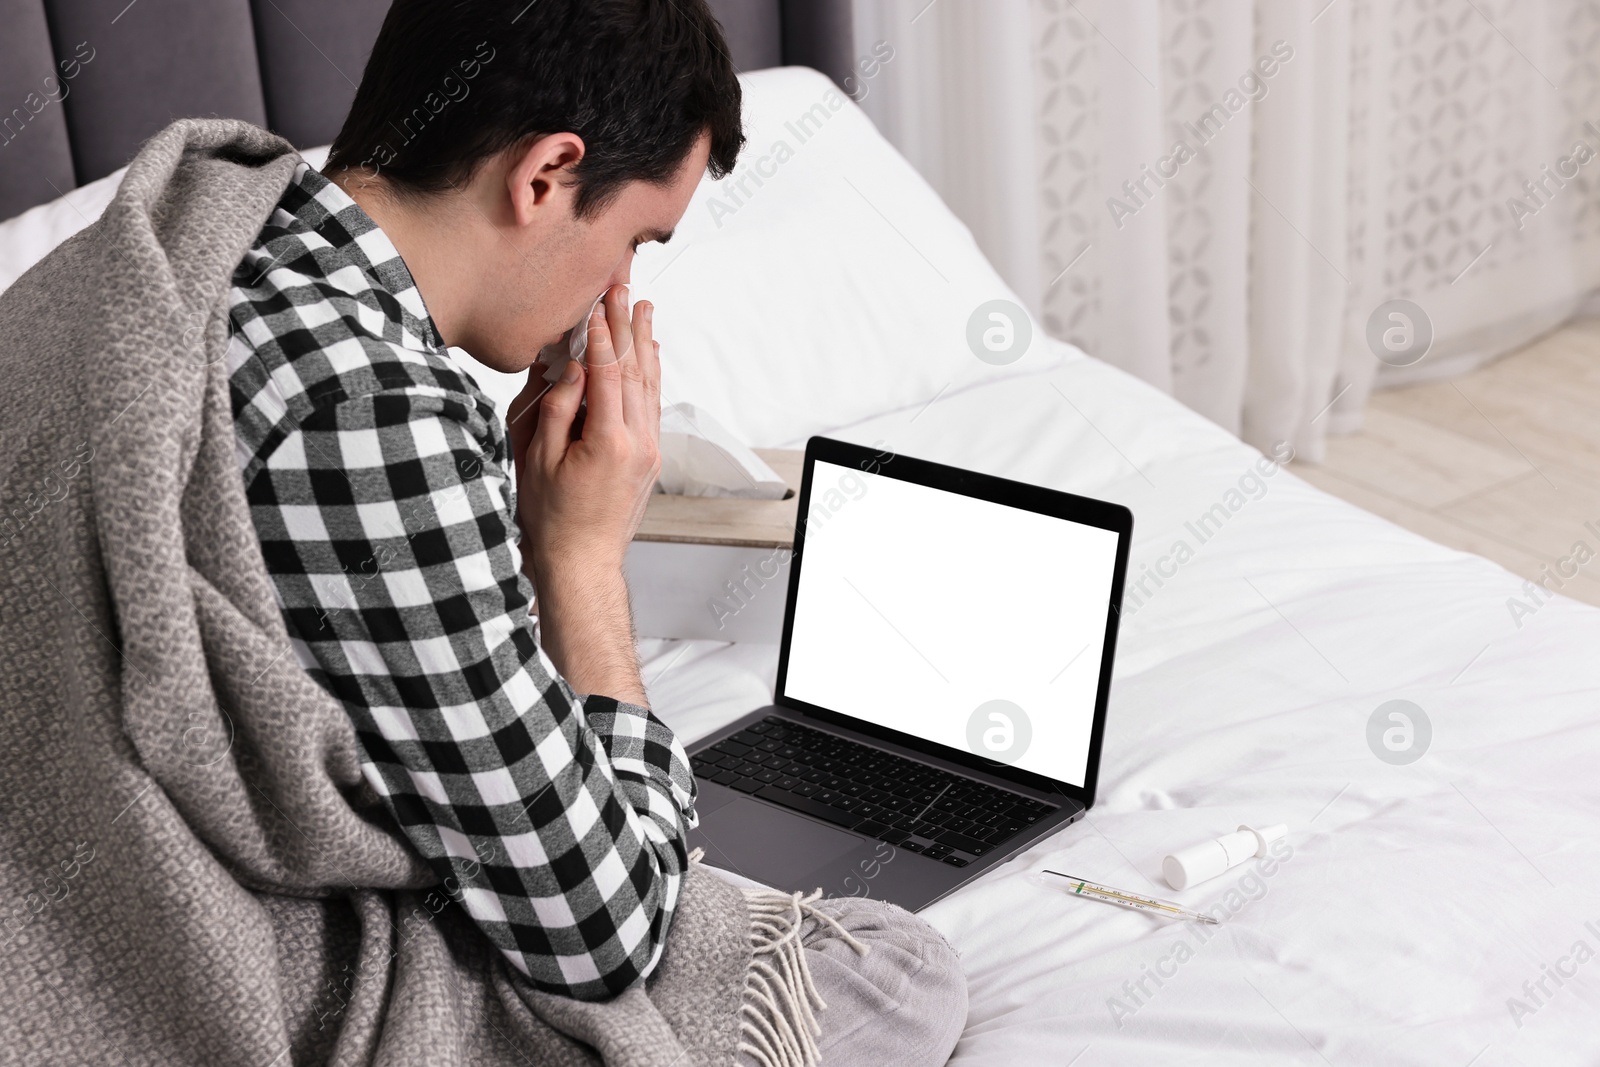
(1504, 462)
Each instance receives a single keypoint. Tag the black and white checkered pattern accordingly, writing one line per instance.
(379, 479)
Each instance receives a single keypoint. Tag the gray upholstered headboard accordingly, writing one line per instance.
(84, 82)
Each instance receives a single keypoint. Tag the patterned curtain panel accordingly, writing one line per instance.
(1264, 207)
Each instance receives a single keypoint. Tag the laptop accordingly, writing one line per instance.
(941, 688)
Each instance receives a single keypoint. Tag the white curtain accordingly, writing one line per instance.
(1225, 197)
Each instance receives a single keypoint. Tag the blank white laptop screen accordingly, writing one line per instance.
(917, 607)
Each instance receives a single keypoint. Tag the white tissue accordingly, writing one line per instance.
(700, 457)
(577, 345)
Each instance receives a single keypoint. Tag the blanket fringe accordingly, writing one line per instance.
(778, 1023)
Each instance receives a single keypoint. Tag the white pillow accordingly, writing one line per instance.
(824, 281)
(30, 236)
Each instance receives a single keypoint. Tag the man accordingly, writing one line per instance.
(401, 524)
(496, 174)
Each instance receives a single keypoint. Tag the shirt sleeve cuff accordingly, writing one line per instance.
(647, 756)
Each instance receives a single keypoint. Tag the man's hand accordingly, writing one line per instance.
(582, 494)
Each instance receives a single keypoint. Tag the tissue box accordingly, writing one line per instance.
(716, 567)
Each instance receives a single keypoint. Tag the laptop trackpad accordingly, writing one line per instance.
(770, 845)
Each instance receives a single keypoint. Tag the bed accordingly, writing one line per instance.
(1437, 901)
(1439, 911)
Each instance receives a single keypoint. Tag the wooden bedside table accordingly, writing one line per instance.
(716, 567)
(730, 521)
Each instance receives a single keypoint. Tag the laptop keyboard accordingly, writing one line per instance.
(911, 805)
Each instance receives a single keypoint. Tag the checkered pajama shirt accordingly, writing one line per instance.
(380, 484)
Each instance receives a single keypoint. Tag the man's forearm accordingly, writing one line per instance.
(586, 624)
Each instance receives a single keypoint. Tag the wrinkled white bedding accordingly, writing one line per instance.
(1416, 900)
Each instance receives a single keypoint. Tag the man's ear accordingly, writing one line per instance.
(540, 174)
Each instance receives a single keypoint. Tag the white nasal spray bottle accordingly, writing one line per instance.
(1210, 858)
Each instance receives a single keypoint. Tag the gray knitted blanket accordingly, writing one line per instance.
(192, 869)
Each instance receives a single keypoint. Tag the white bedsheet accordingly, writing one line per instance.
(1417, 900)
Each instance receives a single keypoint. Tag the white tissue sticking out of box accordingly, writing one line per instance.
(700, 457)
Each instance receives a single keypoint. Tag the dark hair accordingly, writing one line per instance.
(452, 82)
